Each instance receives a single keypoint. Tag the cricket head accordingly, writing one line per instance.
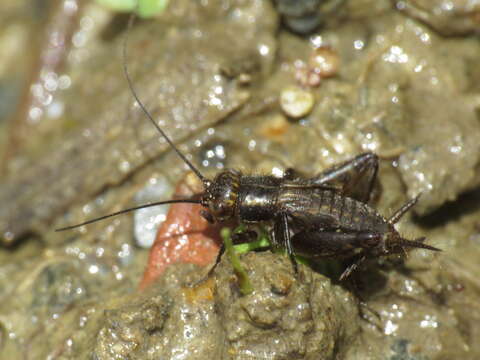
(221, 195)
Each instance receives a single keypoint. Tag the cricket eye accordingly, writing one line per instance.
(207, 216)
(219, 208)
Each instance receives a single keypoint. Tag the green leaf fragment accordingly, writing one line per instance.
(254, 245)
(143, 8)
(243, 280)
(263, 241)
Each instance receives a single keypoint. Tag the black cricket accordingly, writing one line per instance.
(326, 216)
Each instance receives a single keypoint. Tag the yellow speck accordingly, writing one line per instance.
(201, 292)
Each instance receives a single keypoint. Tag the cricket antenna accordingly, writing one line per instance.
(149, 116)
(191, 201)
(143, 107)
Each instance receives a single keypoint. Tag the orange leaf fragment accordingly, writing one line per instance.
(184, 237)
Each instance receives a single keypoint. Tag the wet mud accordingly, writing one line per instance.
(403, 82)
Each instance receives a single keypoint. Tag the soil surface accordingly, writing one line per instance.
(402, 81)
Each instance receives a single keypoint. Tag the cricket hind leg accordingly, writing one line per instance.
(350, 283)
(362, 305)
(355, 178)
(329, 244)
(352, 267)
(334, 244)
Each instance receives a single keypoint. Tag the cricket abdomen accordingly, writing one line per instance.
(359, 216)
(329, 209)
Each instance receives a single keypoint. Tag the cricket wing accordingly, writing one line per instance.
(305, 210)
(329, 210)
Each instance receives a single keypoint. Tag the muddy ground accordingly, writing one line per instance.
(404, 84)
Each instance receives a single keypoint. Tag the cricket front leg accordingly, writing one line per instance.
(281, 233)
(237, 238)
(204, 278)
(355, 178)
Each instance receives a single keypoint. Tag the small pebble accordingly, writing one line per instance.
(296, 102)
(324, 62)
(275, 127)
(148, 219)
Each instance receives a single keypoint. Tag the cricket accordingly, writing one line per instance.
(324, 216)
